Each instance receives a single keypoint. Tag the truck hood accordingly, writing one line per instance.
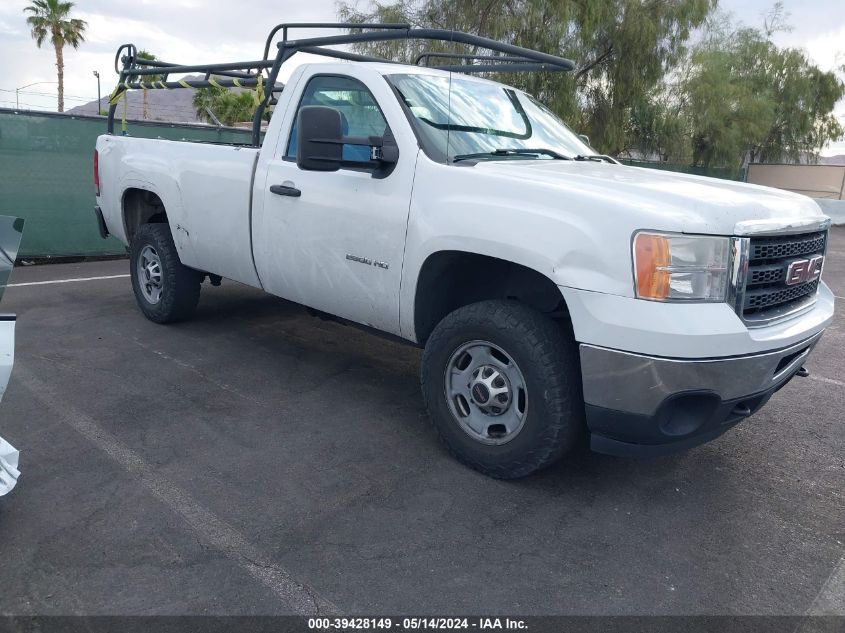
(670, 201)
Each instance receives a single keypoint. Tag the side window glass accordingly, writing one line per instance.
(360, 115)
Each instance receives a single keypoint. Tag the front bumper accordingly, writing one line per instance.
(8, 467)
(647, 405)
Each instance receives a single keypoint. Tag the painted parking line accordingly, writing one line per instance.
(829, 381)
(65, 281)
(296, 595)
(831, 597)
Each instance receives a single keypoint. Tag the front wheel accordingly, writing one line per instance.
(165, 289)
(502, 384)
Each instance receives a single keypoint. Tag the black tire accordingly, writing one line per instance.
(547, 357)
(179, 286)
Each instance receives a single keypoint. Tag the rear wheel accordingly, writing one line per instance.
(502, 384)
(165, 289)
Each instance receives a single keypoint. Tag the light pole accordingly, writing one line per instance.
(97, 75)
(17, 91)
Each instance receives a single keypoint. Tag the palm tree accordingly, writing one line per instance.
(50, 19)
(206, 99)
(228, 106)
(142, 54)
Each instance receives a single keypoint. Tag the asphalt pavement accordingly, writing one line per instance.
(256, 460)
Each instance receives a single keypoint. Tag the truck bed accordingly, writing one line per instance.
(205, 187)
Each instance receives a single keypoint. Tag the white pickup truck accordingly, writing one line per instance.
(557, 293)
(11, 232)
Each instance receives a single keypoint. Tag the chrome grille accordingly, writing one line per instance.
(787, 246)
(766, 274)
(766, 291)
(766, 297)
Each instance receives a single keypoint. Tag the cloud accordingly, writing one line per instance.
(7, 28)
(827, 50)
(183, 31)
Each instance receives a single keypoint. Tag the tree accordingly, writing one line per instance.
(50, 18)
(235, 107)
(747, 96)
(624, 49)
(142, 54)
(204, 100)
(228, 106)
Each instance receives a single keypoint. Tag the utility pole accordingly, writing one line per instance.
(18, 90)
(97, 75)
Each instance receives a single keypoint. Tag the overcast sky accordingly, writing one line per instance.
(192, 31)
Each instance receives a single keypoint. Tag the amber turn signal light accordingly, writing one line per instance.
(651, 259)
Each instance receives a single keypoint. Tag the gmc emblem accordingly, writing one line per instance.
(804, 270)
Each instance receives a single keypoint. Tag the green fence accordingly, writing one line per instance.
(46, 176)
(725, 173)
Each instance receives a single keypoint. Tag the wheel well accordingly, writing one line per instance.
(141, 207)
(449, 280)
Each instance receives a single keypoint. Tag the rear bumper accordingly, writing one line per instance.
(638, 405)
(101, 223)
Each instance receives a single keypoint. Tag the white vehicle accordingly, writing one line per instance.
(557, 293)
(11, 231)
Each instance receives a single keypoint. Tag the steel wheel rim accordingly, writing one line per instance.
(149, 274)
(486, 392)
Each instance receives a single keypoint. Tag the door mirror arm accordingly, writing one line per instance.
(386, 153)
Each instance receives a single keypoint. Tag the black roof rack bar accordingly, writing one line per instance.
(499, 58)
(126, 59)
(326, 25)
(166, 66)
(195, 68)
(131, 60)
(516, 63)
(442, 35)
(512, 58)
(234, 82)
(355, 57)
(518, 67)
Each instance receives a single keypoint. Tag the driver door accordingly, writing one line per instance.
(338, 245)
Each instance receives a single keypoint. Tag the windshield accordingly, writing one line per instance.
(459, 117)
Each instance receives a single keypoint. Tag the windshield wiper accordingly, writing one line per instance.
(516, 151)
(596, 157)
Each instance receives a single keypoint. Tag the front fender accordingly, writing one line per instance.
(467, 210)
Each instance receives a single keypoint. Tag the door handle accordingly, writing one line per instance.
(284, 190)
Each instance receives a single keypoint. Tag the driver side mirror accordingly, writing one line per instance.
(320, 142)
(585, 139)
(319, 145)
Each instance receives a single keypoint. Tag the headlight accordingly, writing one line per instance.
(681, 267)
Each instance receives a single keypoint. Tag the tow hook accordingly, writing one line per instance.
(214, 279)
(803, 372)
(741, 410)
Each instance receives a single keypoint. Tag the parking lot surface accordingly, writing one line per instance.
(256, 460)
